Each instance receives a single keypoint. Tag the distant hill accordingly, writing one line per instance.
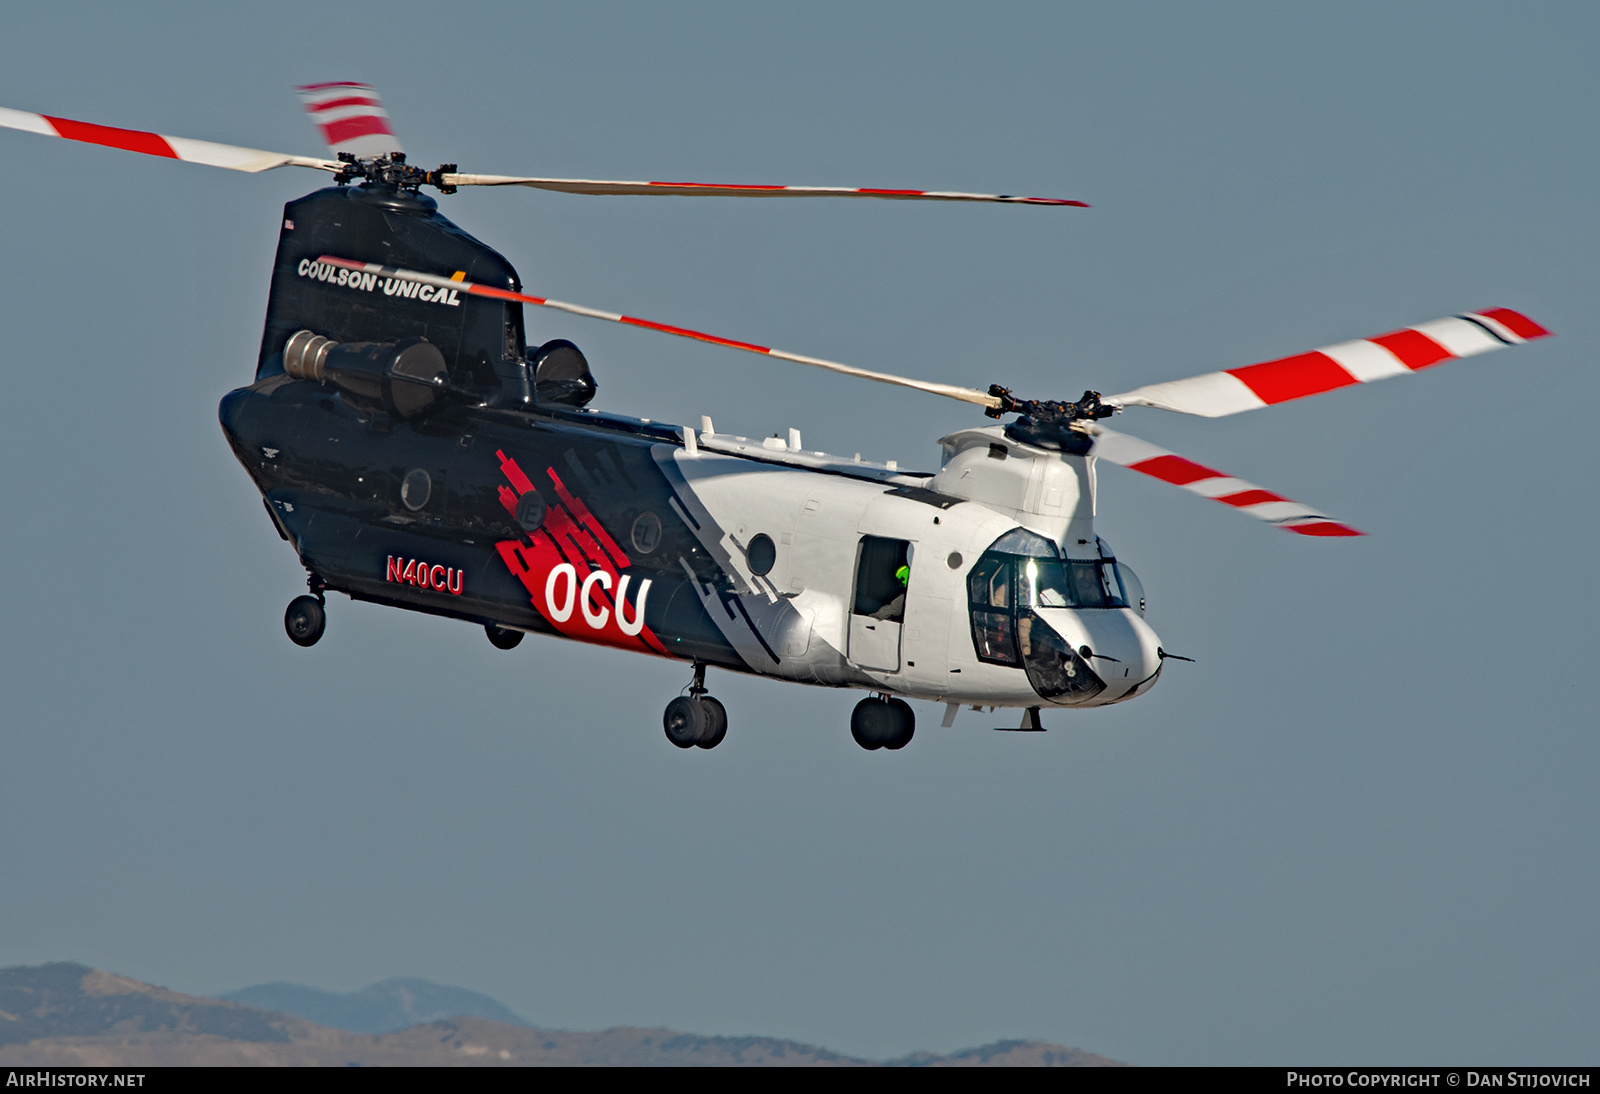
(62, 1000)
(65, 1015)
(382, 1008)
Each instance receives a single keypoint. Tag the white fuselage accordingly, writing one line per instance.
(802, 619)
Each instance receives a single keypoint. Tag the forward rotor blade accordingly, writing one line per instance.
(1216, 394)
(229, 156)
(706, 189)
(949, 391)
(1264, 505)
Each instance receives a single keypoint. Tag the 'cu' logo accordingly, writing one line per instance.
(581, 596)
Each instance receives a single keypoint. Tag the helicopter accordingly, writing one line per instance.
(416, 451)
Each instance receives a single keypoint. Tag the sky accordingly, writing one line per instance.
(1362, 827)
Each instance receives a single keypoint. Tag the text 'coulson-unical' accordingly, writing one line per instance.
(371, 282)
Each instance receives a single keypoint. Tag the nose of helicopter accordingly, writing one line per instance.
(1123, 650)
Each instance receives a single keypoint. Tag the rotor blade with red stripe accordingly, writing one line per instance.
(1264, 505)
(951, 391)
(708, 189)
(229, 156)
(351, 117)
(1216, 394)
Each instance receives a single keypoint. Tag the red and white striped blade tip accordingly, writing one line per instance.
(230, 156)
(1400, 353)
(1246, 497)
(736, 190)
(351, 117)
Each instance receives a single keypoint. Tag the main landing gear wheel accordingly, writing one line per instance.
(880, 722)
(696, 719)
(684, 721)
(502, 638)
(305, 620)
(716, 722)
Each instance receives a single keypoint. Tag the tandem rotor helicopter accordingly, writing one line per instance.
(417, 452)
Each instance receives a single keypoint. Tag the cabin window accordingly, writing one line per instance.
(762, 554)
(415, 489)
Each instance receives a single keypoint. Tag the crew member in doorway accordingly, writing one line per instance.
(895, 609)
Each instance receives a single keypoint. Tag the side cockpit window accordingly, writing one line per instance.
(989, 595)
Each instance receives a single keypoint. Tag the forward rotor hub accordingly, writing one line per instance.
(1089, 408)
(1050, 423)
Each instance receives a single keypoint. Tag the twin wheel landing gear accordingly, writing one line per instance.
(696, 719)
(880, 721)
(307, 618)
(307, 615)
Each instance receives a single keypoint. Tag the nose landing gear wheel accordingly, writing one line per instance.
(882, 723)
(305, 620)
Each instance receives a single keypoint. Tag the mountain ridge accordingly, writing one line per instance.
(66, 1014)
(385, 1007)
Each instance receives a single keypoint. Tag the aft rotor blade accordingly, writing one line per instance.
(709, 189)
(209, 153)
(1246, 497)
(949, 391)
(351, 117)
(1216, 394)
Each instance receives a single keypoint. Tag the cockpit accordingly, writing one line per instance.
(1020, 574)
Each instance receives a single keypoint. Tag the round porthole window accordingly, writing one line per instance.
(530, 511)
(762, 554)
(646, 534)
(954, 561)
(415, 489)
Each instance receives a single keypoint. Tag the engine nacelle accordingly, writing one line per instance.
(406, 378)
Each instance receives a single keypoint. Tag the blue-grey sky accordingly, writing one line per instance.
(1363, 827)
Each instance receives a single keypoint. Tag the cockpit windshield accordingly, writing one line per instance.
(1052, 583)
(1041, 578)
